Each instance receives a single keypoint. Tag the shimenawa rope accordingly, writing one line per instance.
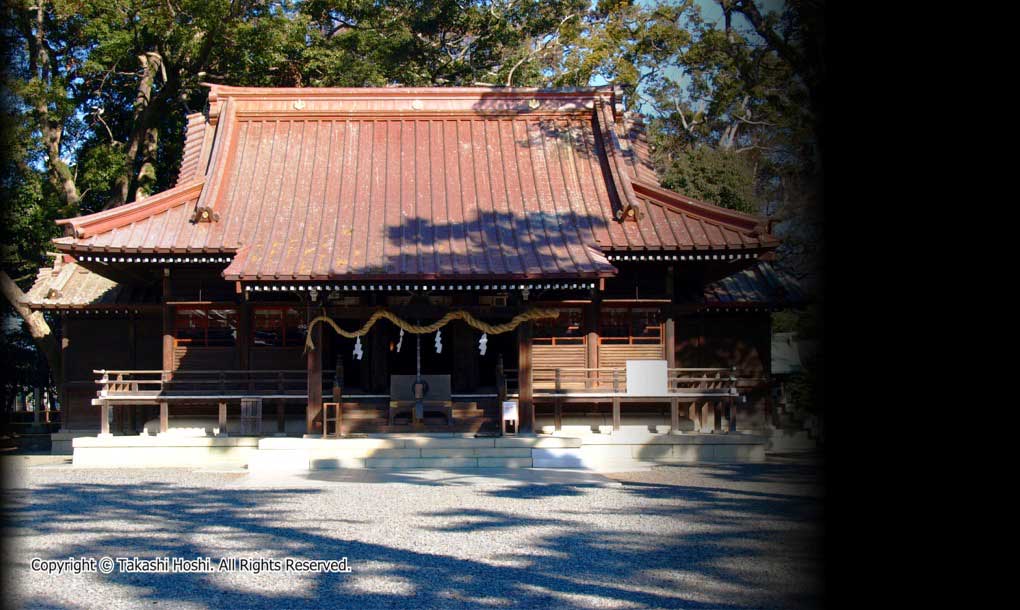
(527, 316)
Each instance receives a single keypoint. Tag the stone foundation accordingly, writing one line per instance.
(627, 449)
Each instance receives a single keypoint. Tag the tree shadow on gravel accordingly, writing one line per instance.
(558, 563)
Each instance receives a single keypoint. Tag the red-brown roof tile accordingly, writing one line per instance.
(196, 149)
(415, 183)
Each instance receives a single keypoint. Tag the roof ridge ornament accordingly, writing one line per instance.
(204, 213)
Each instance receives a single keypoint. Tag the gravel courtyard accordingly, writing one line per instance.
(699, 536)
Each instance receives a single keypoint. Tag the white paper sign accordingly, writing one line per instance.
(510, 410)
(646, 377)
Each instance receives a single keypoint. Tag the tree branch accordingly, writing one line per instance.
(539, 49)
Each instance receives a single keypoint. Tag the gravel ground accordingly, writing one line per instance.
(705, 536)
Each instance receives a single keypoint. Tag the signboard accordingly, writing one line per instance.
(647, 378)
(509, 410)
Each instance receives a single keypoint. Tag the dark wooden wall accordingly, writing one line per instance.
(739, 339)
(99, 342)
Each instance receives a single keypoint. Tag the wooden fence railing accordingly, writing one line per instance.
(568, 380)
(210, 384)
(614, 380)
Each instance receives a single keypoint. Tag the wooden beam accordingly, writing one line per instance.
(558, 414)
(314, 366)
(616, 414)
(526, 405)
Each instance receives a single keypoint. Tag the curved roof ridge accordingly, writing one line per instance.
(120, 216)
(740, 221)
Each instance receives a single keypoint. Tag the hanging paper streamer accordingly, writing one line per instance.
(400, 341)
(439, 342)
(358, 353)
(483, 343)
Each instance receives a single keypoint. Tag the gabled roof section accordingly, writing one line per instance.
(400, 183)
(66, 285)
(675, 222)
(759, 286)
(160, 223)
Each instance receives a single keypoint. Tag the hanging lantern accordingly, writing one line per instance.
(439, 341)
(358, 353)
(400, 341)
(483, 343)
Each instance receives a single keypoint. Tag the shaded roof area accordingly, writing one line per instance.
(66, 285)
(761, 286)
(413, 183)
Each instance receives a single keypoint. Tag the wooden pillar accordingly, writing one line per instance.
(670, 347)
(164, 416)
(733, 415)
(222, 418)
(708, 417)
(375, 341)
(281, 417)
(616, 414)
(694, 414)
(314, 366)
(65, 343)
(37, 407)
(104, 419)
(243, 335)
(558, 414)
(526, 403)
(168, 324)
(591, 323)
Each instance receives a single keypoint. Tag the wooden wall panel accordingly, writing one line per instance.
(616, 356)
(277, 358)
(743, 340)
(103, 343)
(559, 356)
(205, 358)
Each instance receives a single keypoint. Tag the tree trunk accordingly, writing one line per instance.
(146, 180)
(41, 332)
(151, 65)
(42, 67)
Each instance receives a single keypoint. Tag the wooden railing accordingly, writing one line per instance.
(204, 384)
(614, 379)
(568, 380)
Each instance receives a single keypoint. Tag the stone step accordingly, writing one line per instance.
(448, 462)
(470, 425)
(411, 441)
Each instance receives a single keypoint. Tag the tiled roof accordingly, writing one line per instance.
(415, 183)
(760, 285)
(66, 285)
(196, 149)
